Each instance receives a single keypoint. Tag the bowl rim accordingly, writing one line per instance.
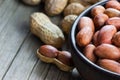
(73, 41)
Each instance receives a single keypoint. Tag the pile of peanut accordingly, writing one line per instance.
(99, 35)
(61, 59)
(70, 9)
(52, 34)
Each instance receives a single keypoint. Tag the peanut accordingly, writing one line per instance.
(88, 52)
(67, 22)
(99, 20)
(113, 4)
(110, 65)
(48, 51)
(32, 2)
(86, 22)
(65, 57)
(95, 40)
(86, 27)
(97, 10)
(107, 51)
(55, 7)
(116, 39)
(79, 1)
(111, 12)
(74, 8)
(48, 32)
(106, 33)
(83, 38)
(114, 21)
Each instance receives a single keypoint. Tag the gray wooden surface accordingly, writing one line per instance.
(18, 60)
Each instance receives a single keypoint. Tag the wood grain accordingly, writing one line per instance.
(18, 60)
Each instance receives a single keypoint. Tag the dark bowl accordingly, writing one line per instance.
(87, 69)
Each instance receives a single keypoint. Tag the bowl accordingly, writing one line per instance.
(87, 69)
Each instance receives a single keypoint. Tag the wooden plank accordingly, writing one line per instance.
(24, 60)
(6, 11)
(40, 71)
(17, 53)
(54, 74)
(12, 35)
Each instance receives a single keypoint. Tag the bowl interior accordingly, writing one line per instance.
(73, 33)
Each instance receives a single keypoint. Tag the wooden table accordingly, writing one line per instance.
(18, 60)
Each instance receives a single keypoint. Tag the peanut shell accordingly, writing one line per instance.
(48, 32)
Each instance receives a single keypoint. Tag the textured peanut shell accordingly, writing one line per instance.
(58, 63)
(48, 32)
(92, 1)
(80, 1)
(55, 7)
(74, 8)
(67, 22)
(32, 2)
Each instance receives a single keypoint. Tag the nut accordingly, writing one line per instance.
(111, 12)
(67, 22)
(107, 51)
(74, 8)
(48, 32)
(32, 2)
(116, 39)
(48, 51)
(110, 65)
(89, 52)
(55, 7)
(65, 57)
(106, 33)
(113, 4)
(97, 10)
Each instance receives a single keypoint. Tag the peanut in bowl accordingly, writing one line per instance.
(103, 64)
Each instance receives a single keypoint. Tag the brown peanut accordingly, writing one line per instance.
(89, 52)
(99, 20)
(95, 38)
(114, 21)
(86, 22)
(82, 36)
(116, 39)
(48, 51)
(65, 57)
(113, 4)
(107, 51)
(91, 1)
(86, 27)
(106, 33)
(109, 65)
(111, 12)
(97, 10)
